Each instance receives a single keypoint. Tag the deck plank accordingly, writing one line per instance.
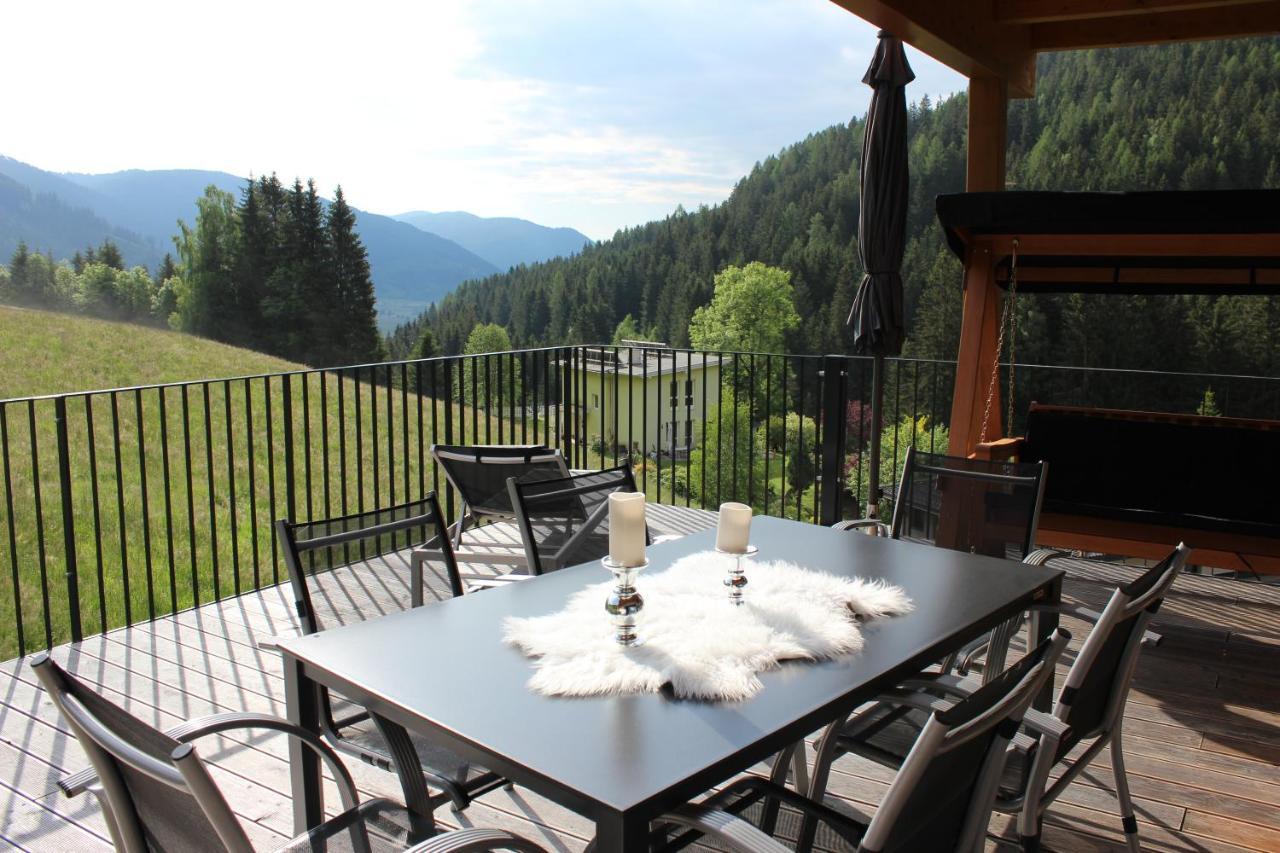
(1202, 727)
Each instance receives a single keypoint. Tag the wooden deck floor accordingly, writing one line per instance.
(1202, 730)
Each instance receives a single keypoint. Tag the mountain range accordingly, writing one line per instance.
(413, 264)
(503, 241)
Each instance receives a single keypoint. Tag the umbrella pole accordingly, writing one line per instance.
(877, 418)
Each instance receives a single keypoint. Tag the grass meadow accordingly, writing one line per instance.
(173, 488)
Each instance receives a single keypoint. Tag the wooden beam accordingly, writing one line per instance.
(961, 35)
(1222, 21)
(979, 327)
(1044, 11)
(987, 135)
(1155, 245)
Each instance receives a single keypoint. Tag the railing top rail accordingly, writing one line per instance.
(213, 380)
(663, 349)
(1145, 372)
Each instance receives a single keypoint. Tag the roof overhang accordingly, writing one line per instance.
(1000, 38)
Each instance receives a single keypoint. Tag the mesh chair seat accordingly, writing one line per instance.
(977, 505)
(885, 734)
(364, 737)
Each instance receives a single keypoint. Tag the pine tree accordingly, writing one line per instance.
(353, 320)
(109, 255)
(252, 267)
(19, 271)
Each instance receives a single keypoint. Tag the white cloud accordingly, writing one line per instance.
(588, 114)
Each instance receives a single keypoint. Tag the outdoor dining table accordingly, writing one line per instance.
(443, 671)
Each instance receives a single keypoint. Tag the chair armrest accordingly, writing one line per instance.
(1040, 556)
(1046, 725)
(909, 698)
(474, 841)
(950, 685)
(880, 527)
(729, 829)
(79, 782)
(1000, 450)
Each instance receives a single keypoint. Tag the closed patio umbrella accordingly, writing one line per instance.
(876, 316)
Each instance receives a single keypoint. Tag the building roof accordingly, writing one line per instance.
(646, 361)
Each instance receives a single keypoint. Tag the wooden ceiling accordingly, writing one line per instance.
(1000, 38)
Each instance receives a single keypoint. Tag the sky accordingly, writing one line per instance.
(595, 115)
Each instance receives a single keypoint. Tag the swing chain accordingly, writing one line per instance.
(1008, 319)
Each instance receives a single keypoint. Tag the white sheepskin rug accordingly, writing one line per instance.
(693, 638)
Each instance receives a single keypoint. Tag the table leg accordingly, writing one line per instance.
(616, 833)
(1041, 626)
(303, 707)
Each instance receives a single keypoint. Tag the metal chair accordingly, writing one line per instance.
(975, 505)
(331, 562)
(941, 798)
(479, 474)
(565, 521)
(1089, 709)
(157, 794)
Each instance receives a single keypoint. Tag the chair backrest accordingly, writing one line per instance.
(944, 792)
(156, 794)
(976, 505)
(370, 546)
(565, 521)
(1093, 694)
(479, 473)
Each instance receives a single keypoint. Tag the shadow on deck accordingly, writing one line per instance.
(1202, 731)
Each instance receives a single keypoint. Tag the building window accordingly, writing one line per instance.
(595, 401)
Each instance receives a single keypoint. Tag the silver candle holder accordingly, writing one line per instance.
(737, 579)
(624, 602)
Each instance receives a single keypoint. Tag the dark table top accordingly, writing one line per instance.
(444, 670)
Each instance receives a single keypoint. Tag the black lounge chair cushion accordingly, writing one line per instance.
(1215, 474)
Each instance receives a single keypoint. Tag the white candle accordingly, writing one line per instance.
(734, 529)
(626, 528)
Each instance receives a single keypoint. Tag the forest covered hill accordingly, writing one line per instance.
(1194, 116)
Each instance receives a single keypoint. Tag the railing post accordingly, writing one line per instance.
(448, 428)
(68, 520)
(287, 400)
(830, 478)
(566, 418)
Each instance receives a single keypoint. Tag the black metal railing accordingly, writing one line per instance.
(126, 504)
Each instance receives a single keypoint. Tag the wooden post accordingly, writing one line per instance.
(988, 122)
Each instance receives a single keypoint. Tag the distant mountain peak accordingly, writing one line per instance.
(504, 241)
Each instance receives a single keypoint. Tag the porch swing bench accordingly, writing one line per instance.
(1135, 483)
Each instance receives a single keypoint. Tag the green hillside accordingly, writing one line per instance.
(49, 353)
(185, 481)
(1192, 116)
